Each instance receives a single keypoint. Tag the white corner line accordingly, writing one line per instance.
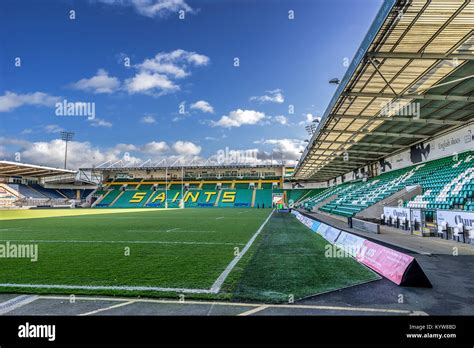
(108, 308)
(104, 287)
(216, 287)
(16, 302)
(253, 311)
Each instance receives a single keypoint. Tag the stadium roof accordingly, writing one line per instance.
(162, 164)
(8, 168)
(417, 56)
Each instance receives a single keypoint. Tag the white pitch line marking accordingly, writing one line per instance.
(216, 287)
(237, 304)
(253, 311)
(173, 229)
(164, 231)
(105, 287)
(19, 229)
(16, 302)
(116, 242)
(220, 217)
(107, 308)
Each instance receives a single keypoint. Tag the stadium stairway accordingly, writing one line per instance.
(263, 198)
(218, 198)
(365, 194)
(296, 194)
(308, 194)
(106, 199)
(10, 190)
(116, 198)
(446, 183)
(131, 199)
(27, 191)
(314, 199)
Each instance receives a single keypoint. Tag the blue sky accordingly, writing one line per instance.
(46, 57)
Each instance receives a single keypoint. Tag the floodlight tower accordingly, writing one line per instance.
(66, 136)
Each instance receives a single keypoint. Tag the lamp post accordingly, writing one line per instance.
(66, 136)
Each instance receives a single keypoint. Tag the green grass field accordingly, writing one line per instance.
(157, 252)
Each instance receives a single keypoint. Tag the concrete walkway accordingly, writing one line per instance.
(399, 239)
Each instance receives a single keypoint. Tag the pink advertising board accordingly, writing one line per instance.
(388, 262)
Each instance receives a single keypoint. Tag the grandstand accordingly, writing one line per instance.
(27, 185)
(398, 132)
(446, 184)
(191, 187)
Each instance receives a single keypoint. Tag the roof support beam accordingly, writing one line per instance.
(387, 83)
(432, 56)
(342, 155)
(384, 134)
(18, 171)
(378, 153)
(328, 174)
(394, 146)
(339, 166)
(329, 171)
(459, 98)
(399, 119)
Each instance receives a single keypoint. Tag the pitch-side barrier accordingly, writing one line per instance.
(400, 268)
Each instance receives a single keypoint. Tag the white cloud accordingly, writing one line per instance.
(98, 122)
(153, 8)
(155, 147)
(174, 63)
(203, 106)
(145, 82)
(148, 119)
(308, 118)
(274, 96)
(53, 128)
(125, 147)
(240, 117)
(157, 75)
(100, 83)
(186, 148)
(281, 119)
(289, 149)
(10, 100)
(154, 76)
(84, 154)
(80, 154)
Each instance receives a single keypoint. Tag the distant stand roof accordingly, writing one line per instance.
(8, 169)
